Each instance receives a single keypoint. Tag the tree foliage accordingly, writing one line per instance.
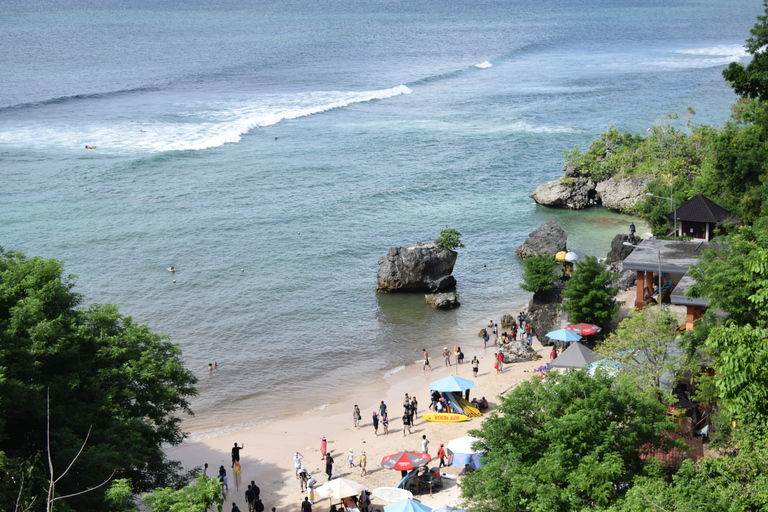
(450, 239)
(571, 442)
(540, 272)
(104, 373)
(751, 80)
(647, 347)
(589, 294)
(201, 496)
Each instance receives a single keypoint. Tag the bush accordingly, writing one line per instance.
(450, 239)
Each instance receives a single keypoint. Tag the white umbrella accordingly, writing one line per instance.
(340, 488)
(571, 257)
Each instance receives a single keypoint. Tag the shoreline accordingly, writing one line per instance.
(269, 446)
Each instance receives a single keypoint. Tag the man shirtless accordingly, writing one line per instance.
(426, 361)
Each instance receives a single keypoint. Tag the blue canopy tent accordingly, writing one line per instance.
(451, 384)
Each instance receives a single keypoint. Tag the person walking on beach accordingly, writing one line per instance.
(306, 506)
(328, 465)
(363, 460)
(303, 477)
(382, 409)
(435, 400)
(441, 456)
(351, 457)
(475, 366)
(385, 424)
(223, 478)
(256, 490)
(406, 424)
(500, 358)
(426, 362)
(447, 356)
(297, 463)
(236, 453)
(414, 409)
(250, 498)
(425, 444)
(323, 446)
(496, 362)
(310, 489)
(375, 418)
(356, 416)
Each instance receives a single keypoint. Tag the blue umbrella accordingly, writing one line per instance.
(407, 506)
(563, 335)
(452, 384)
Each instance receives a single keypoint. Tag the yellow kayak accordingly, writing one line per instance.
(445, 417)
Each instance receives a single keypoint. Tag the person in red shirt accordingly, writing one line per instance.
(441, 455)
(500, 358)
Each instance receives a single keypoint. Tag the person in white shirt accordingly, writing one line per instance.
(424, 444)
(297, 463)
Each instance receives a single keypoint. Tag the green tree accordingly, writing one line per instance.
(540, 273)
(105, 374)
(450, 239)
(734, 276)
(197, 497)
(571, 442)
(647, 346)
(751, 80)
(589, 294)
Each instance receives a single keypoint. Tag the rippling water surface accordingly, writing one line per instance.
(224, 129)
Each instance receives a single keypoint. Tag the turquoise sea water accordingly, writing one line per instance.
(224, 129)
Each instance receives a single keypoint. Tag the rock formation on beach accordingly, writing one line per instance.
(548, 238)
(575, 191)
(517, 351)
(446, 300)
(422, 267)
(625, 278)
(544, 313)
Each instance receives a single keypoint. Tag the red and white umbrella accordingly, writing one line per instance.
(583, 329)
(405, 461)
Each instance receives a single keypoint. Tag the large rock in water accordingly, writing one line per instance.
(619, 251)
(443, 300)
(574, 194)
(548, 238)
(544, 314)
(423, 267)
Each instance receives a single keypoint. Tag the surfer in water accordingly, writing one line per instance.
(89, 147)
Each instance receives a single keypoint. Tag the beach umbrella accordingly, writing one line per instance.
(575, 356)
(584, 329)
(563, 335)
(405, 461)
(570, 257)
(463, 453)
(407, 506)
(448, 509)
(452, 383)
(340, 488)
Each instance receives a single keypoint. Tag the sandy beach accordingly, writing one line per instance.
(269, 449)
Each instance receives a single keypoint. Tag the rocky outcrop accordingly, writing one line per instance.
(548, 238)
(544, 313)
(570, 193)
(507, 321)
(625, 279)
(619, 195)
(619, 251)
(516, 352)
(443, 300)
(423, 267)
(576, 191)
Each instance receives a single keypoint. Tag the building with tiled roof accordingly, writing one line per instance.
(698, 217)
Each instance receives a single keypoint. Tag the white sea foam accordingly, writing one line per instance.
(522, 126)
(693, 58)
(393, 371)
(315, 409)
(484, 65)
(192, 126)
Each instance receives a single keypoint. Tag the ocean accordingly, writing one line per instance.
(272, 152)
